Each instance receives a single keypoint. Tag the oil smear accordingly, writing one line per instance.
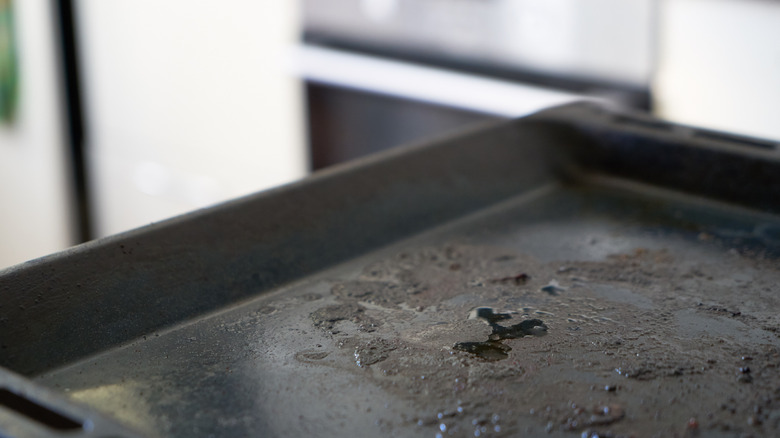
(493, 349)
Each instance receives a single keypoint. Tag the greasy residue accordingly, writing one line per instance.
(493, 349)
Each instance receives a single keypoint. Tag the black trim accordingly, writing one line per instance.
(345, 124)
(69, 67)
(37, 412)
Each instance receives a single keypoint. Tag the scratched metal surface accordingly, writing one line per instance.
(621, 306)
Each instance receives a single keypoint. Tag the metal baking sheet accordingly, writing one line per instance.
(580, 272)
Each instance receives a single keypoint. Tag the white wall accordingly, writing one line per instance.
(34, 190)
(188, 103)
(719, 65)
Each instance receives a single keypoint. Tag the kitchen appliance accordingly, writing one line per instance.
(384, 72)
(571, 273)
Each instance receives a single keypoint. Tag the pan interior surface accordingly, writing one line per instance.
(597, 309)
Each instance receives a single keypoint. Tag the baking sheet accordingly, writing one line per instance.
(573, 302)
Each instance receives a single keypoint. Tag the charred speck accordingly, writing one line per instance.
(720, 309)
(517, 280)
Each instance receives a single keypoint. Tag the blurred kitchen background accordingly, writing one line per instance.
(115, 114)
